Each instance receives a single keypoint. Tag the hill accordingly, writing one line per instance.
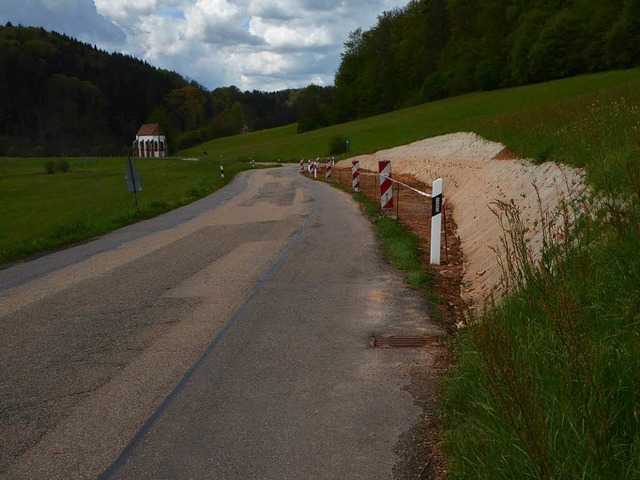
(433, 49)
(59, 96)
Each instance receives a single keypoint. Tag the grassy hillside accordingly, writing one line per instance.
(473, 112)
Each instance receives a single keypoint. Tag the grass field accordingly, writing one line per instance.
(41, 212)
(473, 112)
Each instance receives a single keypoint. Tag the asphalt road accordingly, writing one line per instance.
(226, 340)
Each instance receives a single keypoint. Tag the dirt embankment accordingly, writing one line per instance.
(475, 173)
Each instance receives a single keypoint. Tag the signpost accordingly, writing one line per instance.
(133, 179)
(436, 221)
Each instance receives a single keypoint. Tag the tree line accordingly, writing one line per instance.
(62, 96)
(432, 49)
(59, 96)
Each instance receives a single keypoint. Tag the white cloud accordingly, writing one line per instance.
(77, 18)
(125, 10)
(253, 44)
(300, 35)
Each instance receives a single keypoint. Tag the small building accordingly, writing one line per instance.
(150, 142)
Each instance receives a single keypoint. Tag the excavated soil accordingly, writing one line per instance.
(475, 173)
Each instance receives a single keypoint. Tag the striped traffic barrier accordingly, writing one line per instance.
(328, 169)
(386, 184)
(302, 164)
(355, 175)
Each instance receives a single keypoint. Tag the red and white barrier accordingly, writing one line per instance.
(355, 175)
(386, 184)
(328, 169)
(302, 164)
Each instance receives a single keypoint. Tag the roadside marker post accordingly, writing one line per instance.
(386, 184)
(221, 172)
(134, 180)
(355, 175)
(328, 169)
(436, 221)
(302, 164)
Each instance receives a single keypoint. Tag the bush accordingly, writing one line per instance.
(191, 138)
(62, 165)
(51, 167)
(337, 145)
(434, 88)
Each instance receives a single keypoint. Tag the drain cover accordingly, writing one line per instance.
(403, 341)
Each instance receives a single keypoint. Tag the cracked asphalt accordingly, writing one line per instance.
(225, 340)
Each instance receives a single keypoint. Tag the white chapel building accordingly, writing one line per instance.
(150, 142)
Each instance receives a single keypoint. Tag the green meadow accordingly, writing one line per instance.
(41, 211)
(488, 113)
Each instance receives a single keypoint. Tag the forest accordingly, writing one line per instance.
(432, 49)
(59, 96)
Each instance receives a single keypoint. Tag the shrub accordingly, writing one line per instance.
(62, 165)
(50, 167)
(337, 145)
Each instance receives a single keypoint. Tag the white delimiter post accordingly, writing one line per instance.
(436, 220)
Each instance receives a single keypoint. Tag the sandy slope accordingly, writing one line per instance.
(474, 175)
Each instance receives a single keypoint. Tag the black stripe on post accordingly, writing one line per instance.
(436, 205)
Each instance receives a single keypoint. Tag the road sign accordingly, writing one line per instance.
(133, 178)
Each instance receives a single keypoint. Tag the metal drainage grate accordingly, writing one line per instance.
(403, 341)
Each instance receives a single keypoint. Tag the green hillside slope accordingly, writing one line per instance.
(484, 113)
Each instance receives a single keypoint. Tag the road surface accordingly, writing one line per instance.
(225, 340)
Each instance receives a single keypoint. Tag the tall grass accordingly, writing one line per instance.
(597, 130)
(546, 383)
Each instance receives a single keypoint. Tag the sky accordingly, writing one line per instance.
(263, 45)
